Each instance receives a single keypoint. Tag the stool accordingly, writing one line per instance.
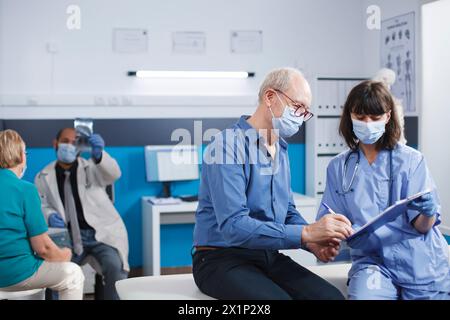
(35, 294)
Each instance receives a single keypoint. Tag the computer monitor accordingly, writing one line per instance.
(171, 163)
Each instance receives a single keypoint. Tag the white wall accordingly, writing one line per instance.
(435, 129)
(432, 97)
(371, 38)
(319, 36)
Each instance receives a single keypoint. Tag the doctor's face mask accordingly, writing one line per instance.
(66, 151)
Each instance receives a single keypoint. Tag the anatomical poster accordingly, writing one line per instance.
(398, 54)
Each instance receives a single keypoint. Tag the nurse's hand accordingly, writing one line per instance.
(331, 229)
(323, 253)
(425, 205)
(428, 208)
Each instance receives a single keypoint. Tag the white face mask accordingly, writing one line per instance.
(67, 153)
(23, 171)
(288, 124)
(369, 132)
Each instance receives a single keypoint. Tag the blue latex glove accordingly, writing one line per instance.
(97, 144)
(55, 221)
(425, 205)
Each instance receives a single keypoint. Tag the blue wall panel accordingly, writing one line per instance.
(447, 238)
(176, 240)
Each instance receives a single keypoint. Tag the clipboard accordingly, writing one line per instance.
(388, 215)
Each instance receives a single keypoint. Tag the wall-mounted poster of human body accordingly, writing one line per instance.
(398, 53)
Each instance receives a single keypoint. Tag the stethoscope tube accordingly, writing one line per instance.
(347, 189)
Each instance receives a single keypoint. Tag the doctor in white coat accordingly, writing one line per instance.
(73, 196)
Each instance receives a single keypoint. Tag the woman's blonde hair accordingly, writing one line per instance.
(11, 149)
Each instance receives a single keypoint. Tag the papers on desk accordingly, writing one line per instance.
(165, 201)
(388, 215)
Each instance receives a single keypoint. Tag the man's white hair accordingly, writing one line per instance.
(279, 79)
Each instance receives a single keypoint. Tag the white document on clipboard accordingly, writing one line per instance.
(388, 215)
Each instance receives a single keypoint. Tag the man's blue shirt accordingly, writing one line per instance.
(245, 197)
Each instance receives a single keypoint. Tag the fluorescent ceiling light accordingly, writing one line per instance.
(192, 74)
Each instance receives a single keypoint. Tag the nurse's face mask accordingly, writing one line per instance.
(369, 129)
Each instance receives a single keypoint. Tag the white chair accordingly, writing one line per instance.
(334, 273)
(183, 287)
(39, 294)
(35, 294)
(172, 287)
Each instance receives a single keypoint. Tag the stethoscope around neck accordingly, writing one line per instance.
(347, 186)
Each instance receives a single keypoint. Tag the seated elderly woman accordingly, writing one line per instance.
(28, 257)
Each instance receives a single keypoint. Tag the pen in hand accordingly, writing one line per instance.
(332, 212)
(328, 208)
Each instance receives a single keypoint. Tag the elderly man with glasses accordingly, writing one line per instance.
(246, 211)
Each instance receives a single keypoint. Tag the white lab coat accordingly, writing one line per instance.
(98, 209)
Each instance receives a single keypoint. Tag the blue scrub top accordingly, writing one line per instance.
(20, 219)
(245, 197)
(413, 260)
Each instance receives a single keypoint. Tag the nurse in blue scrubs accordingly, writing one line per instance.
(407, 258)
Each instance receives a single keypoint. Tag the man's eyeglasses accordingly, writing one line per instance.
(299, 109)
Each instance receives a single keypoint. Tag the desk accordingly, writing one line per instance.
(153, 216)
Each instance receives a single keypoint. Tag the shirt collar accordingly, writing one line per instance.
(72, 169)
(243, 124)
(8, 172)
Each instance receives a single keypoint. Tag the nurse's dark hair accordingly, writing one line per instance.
(370, 98)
